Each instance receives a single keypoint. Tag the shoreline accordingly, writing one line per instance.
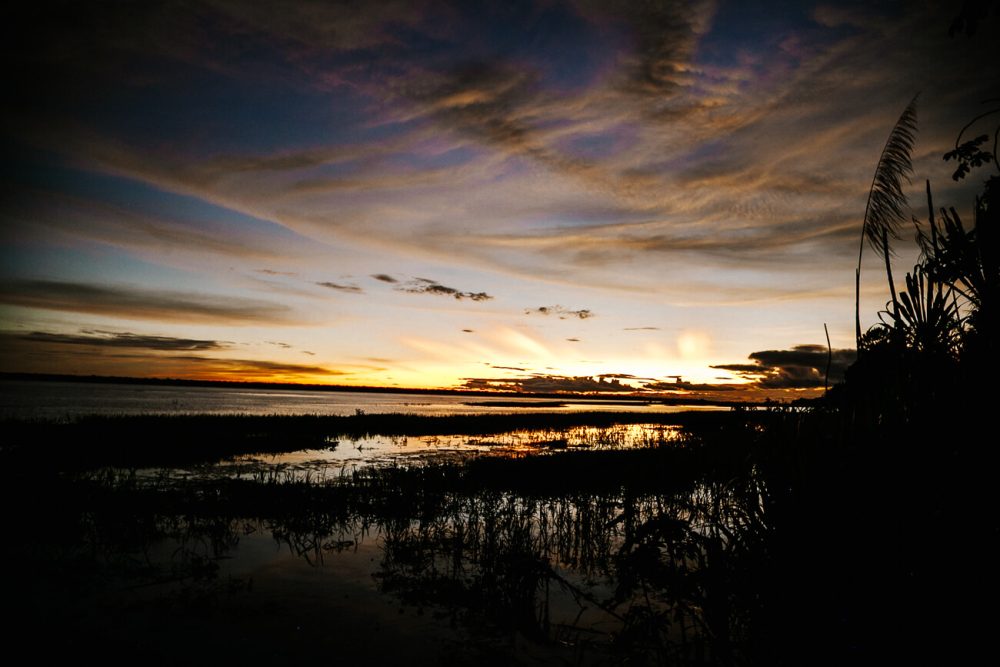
(280, 386)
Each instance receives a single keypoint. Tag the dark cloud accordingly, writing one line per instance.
(741, 368)
(123, 353)
(427, 286)
(802, 367)
(573, 340)
(502, 105)
(137, 303)
(560, 312)
(126, 340)
(242, 366)
(641, 329)
(666, 33)
(481, 99)
(384, 278)
(682, 386)
(284, 346)
(354, 289)
(509, 368)
(270, 272)
(551, 384)
(468, 331)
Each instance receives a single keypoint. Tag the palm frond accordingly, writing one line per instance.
(925, 317)
(886, 201)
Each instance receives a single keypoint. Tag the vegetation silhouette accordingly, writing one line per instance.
(558, 550)
(906, 437)
(936, 339)
(886, 200)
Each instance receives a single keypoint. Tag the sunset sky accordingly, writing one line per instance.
(518, 195)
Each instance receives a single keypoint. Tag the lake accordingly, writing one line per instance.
(521, 540)
(66, 400)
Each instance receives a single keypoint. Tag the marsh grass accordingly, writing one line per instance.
(145, 441)
(528, 547)
(751, 538)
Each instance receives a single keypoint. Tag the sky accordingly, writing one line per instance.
(531, 196)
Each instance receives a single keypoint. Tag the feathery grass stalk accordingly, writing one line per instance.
(886, 200)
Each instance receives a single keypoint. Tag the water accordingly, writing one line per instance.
(433, 570)
(345, 455)
(65, 400)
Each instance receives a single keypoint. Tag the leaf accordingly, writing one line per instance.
(969, 155)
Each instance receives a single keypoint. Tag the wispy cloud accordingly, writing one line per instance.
(666, 34)
(385, 278)
(30, 211)
(125, 340)
(238, 367)
(136, 355)
(137, 303)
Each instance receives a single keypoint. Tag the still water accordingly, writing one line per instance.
(347, 550)
(348, 454)
(66, 400)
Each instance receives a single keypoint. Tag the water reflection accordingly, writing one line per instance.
(629, 575)
(344, 454)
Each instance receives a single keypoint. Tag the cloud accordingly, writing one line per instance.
(138, 303)
(136, 355)
(468, 331)
(741, 368)
(552, 384)
(242, 367)
(802, 367)
(680, 385)
(505, 106)
(759, 171)
(573, 340)
(343, 288)
(486, 100)
(560, 312)
(384, 278)
(666, 34)
(270, 272)
(641, 329)
(112, 339)
(426, 286)
(32, 212)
